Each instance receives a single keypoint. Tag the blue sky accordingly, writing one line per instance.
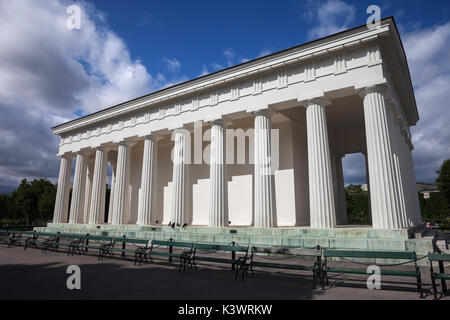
(124, 49)
(199, 33)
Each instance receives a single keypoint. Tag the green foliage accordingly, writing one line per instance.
(443, 180)
(31, 203)
(435, 209)
(357, 202)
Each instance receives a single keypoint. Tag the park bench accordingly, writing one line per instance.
(440, 258)
(72, 241)
(197, 255)
(4, 235)
(44, 239)
(348, 254)
(283, 253)
(102, 244)
(140, 246)
(146, 253)
(15, 238)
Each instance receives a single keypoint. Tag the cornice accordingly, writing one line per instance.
(301, 54)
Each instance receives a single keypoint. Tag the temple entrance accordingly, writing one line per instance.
(357, 199)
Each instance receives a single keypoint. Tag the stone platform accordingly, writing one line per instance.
(343, 237)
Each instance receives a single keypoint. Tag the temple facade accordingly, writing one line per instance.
(259, 144)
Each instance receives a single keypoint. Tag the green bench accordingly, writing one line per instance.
(147, 253)
(440, 258)
(233, 249)
(397, 255)
(4, 235)
(140, 244)
(315, 268)
(44, 239)
(15, 238)
(96, 243)
(73, 242)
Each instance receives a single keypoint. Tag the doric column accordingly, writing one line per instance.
(148, 180)
(400, 178)
(321, 195)
(218, 198)
(78, 190)
(179, 177)
(410, 177)
(366, 163)
(88, 189)
(97, 207)
(265, 211)
(341, 209)
(62, 193)
(111, 193)
(383, 185)
(121, 188)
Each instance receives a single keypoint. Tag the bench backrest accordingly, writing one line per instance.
(218, 247)
(132, 241)
(172, 243)
(439, 257)
(70, 236)
(46, 234)
(288, 251)
(98, 238)
(29, 233)
(370, 254)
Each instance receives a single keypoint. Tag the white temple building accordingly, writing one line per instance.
(256, 145)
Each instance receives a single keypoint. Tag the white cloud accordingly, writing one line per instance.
(428, 52)
(172, 64)
(50, 74)
(328, 17)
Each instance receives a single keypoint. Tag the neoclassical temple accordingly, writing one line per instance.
(259, 144)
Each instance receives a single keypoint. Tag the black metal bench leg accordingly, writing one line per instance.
(237, 272)
(419, 284)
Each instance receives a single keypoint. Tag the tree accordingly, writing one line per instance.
(357, 202)
(443, 180)
(31, 202)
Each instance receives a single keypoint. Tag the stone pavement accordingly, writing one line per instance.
(34, 275)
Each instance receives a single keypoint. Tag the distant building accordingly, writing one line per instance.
(426, 188)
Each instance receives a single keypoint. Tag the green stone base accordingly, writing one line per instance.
(361, 238)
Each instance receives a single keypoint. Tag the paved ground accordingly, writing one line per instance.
(34, 275)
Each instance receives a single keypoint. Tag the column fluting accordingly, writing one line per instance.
(148, 181)
(63, 189)
(122, 184)
(321, 193)
(264, 190)
(78, 190)
(97, 206)
(218, 198)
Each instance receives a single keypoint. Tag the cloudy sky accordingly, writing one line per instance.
(50, 74)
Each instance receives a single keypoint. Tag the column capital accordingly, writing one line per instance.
(67, 155)
(377, 88)
(101, 148)
(217, 120)
(126, 143)
(317, 98)
(319, 101)
(153, 137)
